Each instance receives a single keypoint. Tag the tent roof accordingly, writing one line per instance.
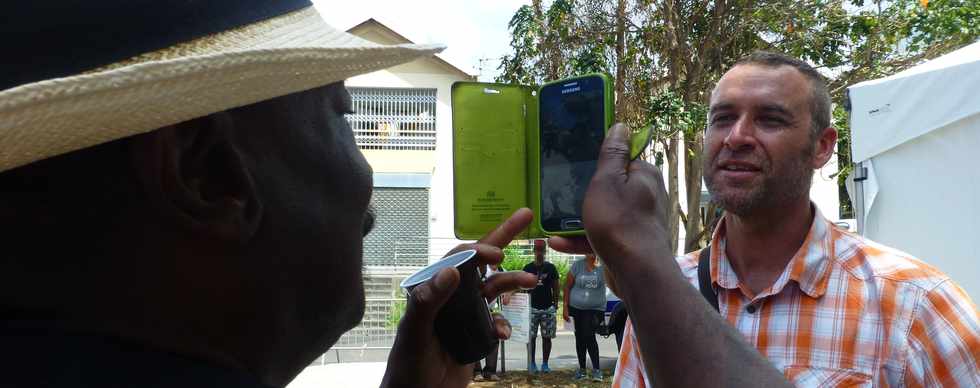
(890, 111)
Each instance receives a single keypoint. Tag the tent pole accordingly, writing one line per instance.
(860, 175)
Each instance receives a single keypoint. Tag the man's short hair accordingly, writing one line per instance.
(819, 96)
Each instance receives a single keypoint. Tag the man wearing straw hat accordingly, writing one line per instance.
(182, 200)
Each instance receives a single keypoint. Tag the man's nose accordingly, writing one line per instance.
(742, 135)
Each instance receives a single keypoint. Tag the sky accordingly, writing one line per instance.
(471, 29)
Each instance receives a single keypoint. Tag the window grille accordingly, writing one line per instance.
(393, 118)
(401, 228)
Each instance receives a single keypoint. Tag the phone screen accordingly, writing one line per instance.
(572, 123)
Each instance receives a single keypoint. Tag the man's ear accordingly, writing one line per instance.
(193, 173)
(824, 147)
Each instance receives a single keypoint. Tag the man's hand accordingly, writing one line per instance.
(625, 215)
(564, 314)
(625, 209)
(417, 359)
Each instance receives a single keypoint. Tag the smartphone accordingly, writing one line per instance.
(574, 115)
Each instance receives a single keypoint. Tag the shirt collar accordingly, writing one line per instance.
(809, 267)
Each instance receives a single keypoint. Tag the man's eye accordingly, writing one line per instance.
(721, 119)
(772, 121)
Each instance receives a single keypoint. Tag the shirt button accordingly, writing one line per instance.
(751, 309)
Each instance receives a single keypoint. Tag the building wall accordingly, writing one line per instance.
(438, 163)
(401, 161)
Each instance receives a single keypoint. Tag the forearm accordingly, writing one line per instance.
(681, 337)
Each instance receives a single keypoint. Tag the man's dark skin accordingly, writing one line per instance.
(539, 251)
(233, 238)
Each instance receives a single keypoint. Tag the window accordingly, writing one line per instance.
(401, 234)
(394, 118)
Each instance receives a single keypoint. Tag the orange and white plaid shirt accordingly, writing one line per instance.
(845, 312)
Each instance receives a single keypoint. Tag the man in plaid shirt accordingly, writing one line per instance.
(826, 307)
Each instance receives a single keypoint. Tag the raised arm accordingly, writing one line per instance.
(680, 336)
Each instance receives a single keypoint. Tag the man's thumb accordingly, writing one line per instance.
(614, 155)
(429, 297)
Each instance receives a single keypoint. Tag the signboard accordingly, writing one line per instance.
(518, 313)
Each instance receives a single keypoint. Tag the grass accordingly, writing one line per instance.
(559, 378)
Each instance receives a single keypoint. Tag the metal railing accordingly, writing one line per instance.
(393, 118)
(376, 331)
(379, 326)
(405, 254)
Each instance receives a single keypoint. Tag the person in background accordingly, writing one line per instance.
(619, 313)
(489, 370)
(585, 302)
(544, 306)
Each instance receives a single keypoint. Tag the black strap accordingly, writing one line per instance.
(704, 278)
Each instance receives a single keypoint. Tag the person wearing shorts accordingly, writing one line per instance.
(544, 305)
(545, 319)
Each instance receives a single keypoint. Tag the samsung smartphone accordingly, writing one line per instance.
(573, 118)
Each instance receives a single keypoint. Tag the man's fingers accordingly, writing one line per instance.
(485, 253)
(614, 155)
(502, 282)
(502, 326)
(573, 245)
(415, 332)
(506, 231)
(427, 298)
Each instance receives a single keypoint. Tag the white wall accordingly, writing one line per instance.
(824, 191)
(441, 191)
(928, 203)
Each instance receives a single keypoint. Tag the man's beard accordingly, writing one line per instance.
(789, 184)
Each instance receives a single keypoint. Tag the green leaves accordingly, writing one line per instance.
(675, 50)
(515, 258)
(669, 114)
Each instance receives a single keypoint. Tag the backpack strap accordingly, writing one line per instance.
(704, 278)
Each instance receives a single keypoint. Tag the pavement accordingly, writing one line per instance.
(366, 367)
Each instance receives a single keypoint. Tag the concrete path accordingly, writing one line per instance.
(365, 368)
(346, 375)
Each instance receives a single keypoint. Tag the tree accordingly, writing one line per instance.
(667, 55)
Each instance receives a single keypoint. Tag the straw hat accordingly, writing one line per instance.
(149, 64)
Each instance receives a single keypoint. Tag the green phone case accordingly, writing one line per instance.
(496, 156)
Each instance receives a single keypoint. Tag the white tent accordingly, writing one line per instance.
(918, 135)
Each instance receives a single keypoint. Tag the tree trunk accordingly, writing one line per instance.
(549, 46)
(675, 57)
(673, 194)
(692, 176)
(621, 61)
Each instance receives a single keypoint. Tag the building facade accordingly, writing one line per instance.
(402, 123)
